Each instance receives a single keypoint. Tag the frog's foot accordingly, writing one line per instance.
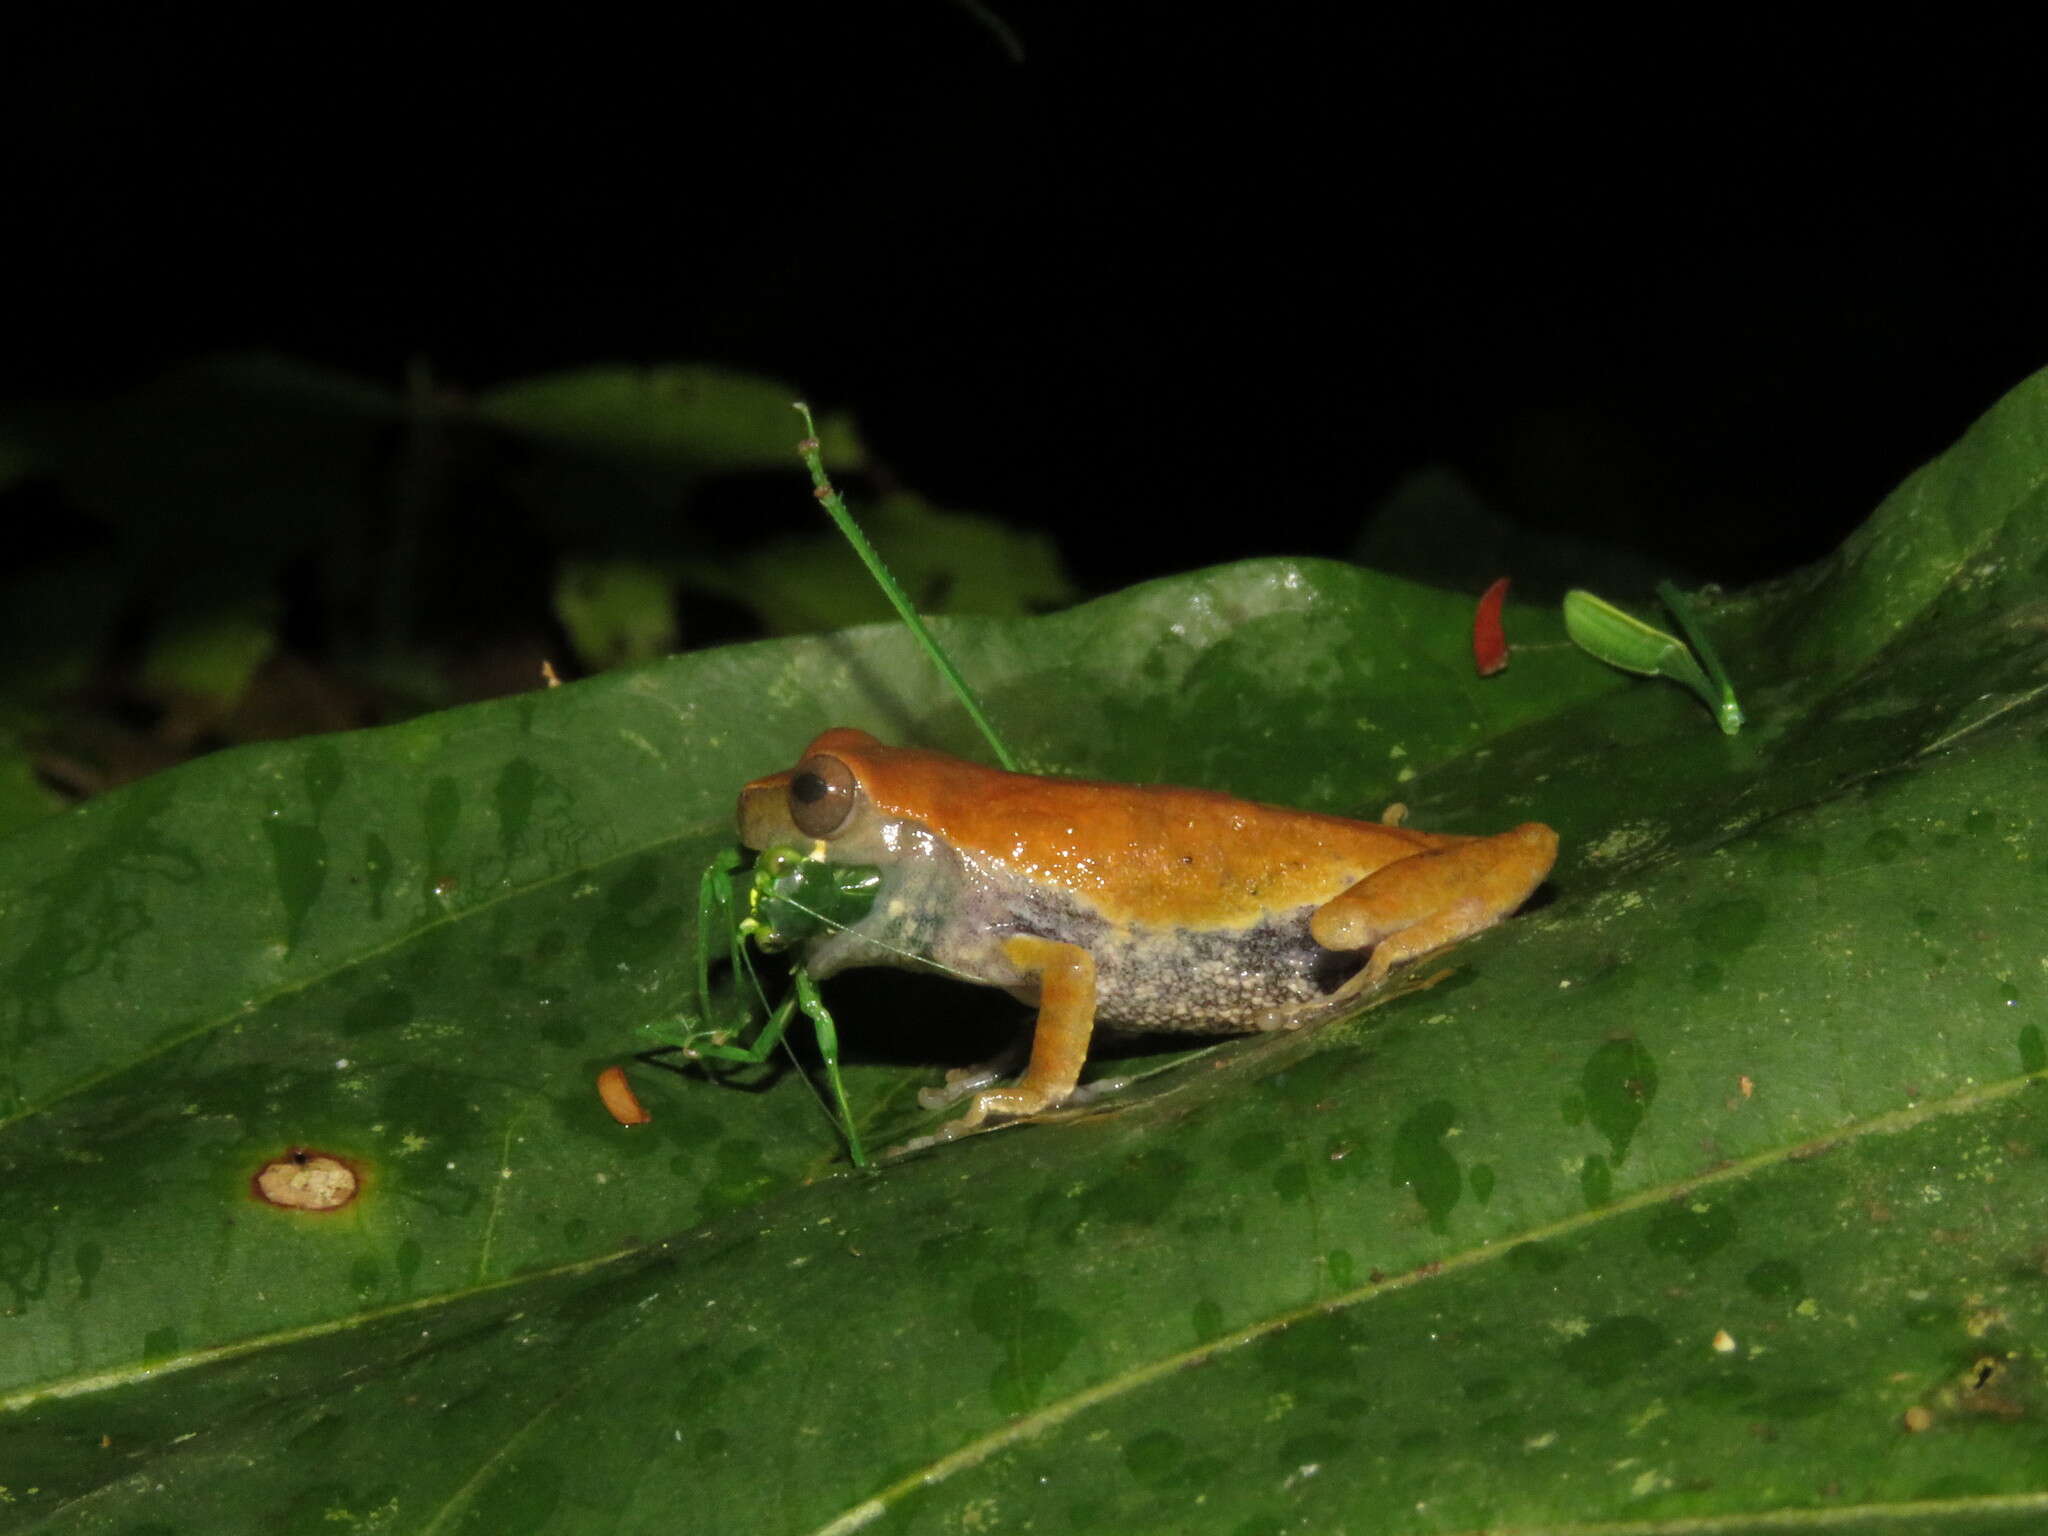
(1409, 908)
(1066, 1017)
(1000, 1106)
(993, 1111)
(991, 1108)
(963, 1081)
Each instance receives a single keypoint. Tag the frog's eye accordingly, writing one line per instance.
(822, 792)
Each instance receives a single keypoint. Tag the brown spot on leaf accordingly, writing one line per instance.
(308, 1180)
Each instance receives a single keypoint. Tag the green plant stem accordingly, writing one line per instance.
(1727, 712)
(835, 508)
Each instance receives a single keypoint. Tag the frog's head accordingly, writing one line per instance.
(820, 799)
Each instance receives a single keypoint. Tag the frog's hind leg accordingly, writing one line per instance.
(1059, 1043)
(1428, 900)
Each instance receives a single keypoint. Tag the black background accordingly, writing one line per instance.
(1182, 285)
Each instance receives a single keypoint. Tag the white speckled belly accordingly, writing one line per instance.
(936, 913)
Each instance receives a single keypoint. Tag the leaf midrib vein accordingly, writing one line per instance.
(1053, 1415)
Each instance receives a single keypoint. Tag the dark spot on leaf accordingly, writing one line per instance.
(565, 1034)
(518, 783)
(1325, 1347)
(1774, 1279)
(1315, 1449)
(1800, 1402)
(1732, 1393)
(1614, 1350)
(323, 774)
(1154, 1457)
(298, 859)
(640, 921)
(1139, 1191)
(1320, 1076)
(1682, 1233)
(1729, 927)
(409, 1257)
(1537, 1257)
(1620, 1084)
(1420, 1163)
(1255, 1149)
(440, 813)
(377, 867)
(386, 1008)
(1596, 1181)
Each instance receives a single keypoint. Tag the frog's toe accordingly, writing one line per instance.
(998, 1105)
(964, 1082)
(973, 1123)
(1101, 1088)
(960, 1083)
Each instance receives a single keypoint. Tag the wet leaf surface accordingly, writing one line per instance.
(1714, 1187)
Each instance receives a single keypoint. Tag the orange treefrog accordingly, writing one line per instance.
(1146, 907)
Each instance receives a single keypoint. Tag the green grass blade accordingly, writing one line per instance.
(835, 508)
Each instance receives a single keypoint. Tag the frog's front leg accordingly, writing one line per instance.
(1428, 900)
(1059, 1044)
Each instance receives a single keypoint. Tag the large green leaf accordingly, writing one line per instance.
(1709, 1195)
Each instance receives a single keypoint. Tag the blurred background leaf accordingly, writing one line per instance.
(259, 549)
(947, 562)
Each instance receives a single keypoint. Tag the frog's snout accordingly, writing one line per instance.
(764, 813)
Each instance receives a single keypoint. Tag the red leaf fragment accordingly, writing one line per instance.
(619, 1098)
(1489, 641)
